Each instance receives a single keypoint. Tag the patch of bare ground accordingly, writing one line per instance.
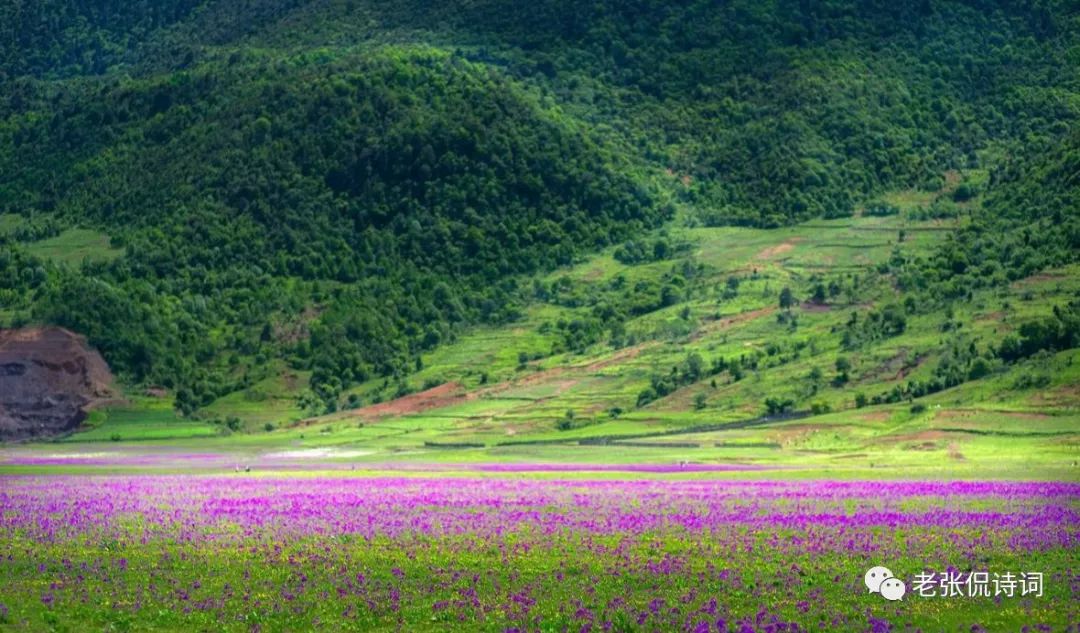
(435, 398)
(620, 356)
(779, 249)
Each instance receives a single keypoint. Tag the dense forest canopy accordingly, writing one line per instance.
(341, 184)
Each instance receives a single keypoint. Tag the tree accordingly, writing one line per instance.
(979, 369)
(646, 396)
(661, 249)
(185, 401)
(1010, 349)
(776, 406)
(700, 402)
(787, 299)
(843, 369)
(693, 367)
(670, 295)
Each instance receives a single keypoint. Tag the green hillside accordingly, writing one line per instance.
(622, 219)
(724, 374)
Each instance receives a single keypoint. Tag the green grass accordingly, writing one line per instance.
(272, 400)
(9, 222)
(146, 420)
(73, 246)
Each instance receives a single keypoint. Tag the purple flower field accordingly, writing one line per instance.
(300, 552)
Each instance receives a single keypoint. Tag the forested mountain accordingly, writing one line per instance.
(341, 184)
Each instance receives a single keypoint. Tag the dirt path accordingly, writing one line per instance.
(624, 354)
(725, 323)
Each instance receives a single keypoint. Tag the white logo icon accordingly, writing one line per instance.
(893, 589)
(875, 577)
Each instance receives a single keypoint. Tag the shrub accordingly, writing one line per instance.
(776, 406)
(979, 368)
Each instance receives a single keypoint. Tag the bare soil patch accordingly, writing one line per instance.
(435, 398)
(779, 249)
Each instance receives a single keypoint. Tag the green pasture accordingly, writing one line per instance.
(74, 246)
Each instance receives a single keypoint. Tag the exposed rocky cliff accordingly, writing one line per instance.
(48, 377)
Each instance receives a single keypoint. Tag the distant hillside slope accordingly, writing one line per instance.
(769, 112)
(61, 38)
(341, 185)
